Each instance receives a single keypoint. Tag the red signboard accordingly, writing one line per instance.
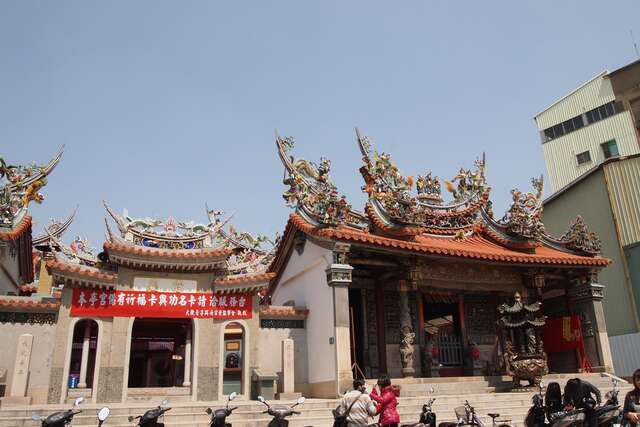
(123, 303)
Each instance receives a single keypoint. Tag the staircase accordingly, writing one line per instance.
(484, 394)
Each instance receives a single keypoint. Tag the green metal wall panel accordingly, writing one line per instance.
(589, 198)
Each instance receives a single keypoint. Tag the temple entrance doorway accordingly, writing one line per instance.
(357, 332)
(159, 348)
(443, 334)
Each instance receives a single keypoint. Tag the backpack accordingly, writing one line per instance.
(339, 418)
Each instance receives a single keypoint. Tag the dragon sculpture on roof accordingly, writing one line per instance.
(311, 191)
(19, 186)
(390, 193)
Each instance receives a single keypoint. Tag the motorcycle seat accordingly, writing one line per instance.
(494, 416)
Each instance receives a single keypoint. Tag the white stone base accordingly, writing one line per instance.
(14, 401)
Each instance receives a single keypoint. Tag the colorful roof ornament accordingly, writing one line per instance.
(392, 203)
(162, 234)
(56, 228)
(19, 186)
(311, 191)
(523, 219)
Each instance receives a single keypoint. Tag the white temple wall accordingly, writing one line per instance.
(270, 354)
(304, 282)
(41, 352)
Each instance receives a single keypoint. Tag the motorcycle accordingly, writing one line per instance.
(609, 413)
(219, 416)
(150, 418)
(280, 412)
(466, 415)
(103, 414)
(427, 416)
(536, 416)
(62, 418)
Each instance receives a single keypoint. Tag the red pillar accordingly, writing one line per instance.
(380, 328)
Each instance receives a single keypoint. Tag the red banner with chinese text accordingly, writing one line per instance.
(123, 303)
(562, 334)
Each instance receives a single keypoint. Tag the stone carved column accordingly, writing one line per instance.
(19, 381)
(585, 296)
(407, 335)
(339, 278)
(84, 358)
(187, 360)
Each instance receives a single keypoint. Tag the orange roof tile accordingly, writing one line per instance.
(474, 247)
(182, 254)
(244, 279)
(24, 225)
(81, 270)
(27, 304)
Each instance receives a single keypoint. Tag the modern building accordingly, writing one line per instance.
(591, 144)
(597, 121)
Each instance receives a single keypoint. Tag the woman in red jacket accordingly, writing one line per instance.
(387, 402)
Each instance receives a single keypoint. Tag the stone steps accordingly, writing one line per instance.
(450, 393)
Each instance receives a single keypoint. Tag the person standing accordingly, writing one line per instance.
(387, 402)
(358, 405)
(631, 409)
(578, 394)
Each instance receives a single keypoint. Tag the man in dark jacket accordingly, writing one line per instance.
(578, 395)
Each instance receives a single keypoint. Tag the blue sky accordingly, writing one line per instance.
(165, 106)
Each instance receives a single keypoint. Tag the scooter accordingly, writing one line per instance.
(427, 416)
(150, 418)
(62, 418)
(219, 416)
(536, 416)
(280, 412)
(466, 415)
(103, 414)
(609, 413)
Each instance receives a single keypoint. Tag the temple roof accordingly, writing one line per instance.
(396, 218)
(238, 259)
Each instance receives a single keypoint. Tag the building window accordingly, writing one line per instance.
(604, 111)
(578, 122)
(583, 158)
(610, 149)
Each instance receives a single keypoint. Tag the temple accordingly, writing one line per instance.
(424, 281)
(424, 284)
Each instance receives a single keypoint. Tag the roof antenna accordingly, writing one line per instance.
(635, 46)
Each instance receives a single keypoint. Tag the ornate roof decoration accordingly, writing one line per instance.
(77, 252)
(311, 191)
(578, 238)
(243, 252)
(56, 228)
(163, 234)
(19, 186)
(391, 198)
(523, 219)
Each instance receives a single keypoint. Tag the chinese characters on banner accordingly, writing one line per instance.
(122, 303)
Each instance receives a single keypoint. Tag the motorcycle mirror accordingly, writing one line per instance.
(103, 414)
(36, 417)
(130, 418)
(261, 399)
(208, 411)
(233, 395)
(300, 400)
(78, 401)
(165, 402)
